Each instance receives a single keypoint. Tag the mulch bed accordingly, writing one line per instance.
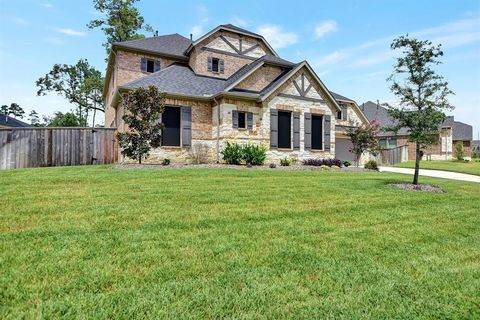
(124, 166)
(418, 187)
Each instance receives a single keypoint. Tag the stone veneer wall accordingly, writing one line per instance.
(232, 61)
(260, 78)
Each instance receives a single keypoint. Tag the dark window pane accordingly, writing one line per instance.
(382, 143)
(284, 130)
(317, 129)
(150, 66)
(339, 115)
(392, 143)
(215, 65)
(241, 120)
(171, 129)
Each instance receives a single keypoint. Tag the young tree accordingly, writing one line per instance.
(74, 83)
(364, 138)
(34, 119)
(121, 21)
(422, 93)
(93, 90)
(16, 111)
(143, 108)
(4, 109)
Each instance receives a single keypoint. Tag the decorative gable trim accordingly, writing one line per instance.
(325, 93)
(205, 36)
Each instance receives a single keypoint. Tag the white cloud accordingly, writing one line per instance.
(19, 21)
(325, 27)
(47, 5)
(54, 40)
(198, 29)
(239, 22)
(332, 58)
(71, 32)
(276, 36)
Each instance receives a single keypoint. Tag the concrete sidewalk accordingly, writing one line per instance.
(435, 174)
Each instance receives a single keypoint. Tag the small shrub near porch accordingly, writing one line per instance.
(250, 154)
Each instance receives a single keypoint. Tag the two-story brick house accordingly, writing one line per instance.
(230, 84)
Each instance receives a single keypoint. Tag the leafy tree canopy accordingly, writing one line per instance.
(422, 93)
(60, 119)
(121, 21)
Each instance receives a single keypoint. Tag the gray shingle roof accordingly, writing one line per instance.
(476, 145)
(172, 44)
(231, 26)
(179, 78)
(12, 122)
(462, 131)
(340, 97)
(372, 111)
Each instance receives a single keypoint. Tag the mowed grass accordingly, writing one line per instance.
(94, 242)
(472, 167)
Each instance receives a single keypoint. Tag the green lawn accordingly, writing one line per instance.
(93, 242)
(472, 167)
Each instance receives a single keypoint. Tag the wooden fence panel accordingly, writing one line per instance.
(44, 147)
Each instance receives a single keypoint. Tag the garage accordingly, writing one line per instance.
(342, 147)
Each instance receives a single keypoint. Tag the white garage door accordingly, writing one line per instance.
(342, 146)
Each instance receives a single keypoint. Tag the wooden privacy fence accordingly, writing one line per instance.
(392, 156)
(46, 147)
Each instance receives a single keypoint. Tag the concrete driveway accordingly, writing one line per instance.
(435, 174)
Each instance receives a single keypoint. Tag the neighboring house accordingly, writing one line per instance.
(476, 147)
(9, 122)
(449, 133)
(230, 84)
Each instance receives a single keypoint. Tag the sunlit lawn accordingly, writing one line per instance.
(471, 167)
(93, 242)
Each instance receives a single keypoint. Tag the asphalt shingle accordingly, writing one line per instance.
(7, 121)
(172, 44)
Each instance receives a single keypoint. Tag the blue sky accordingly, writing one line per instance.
(347, 42)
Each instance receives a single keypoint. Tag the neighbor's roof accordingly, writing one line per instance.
(462, 131)
(171, 44)
(12, 122)
(476, 145)
(372, 111)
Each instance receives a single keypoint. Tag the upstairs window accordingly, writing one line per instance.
(149, 65)
(215, 65)
(339, 115)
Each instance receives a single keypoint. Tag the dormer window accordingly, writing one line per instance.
(215, 65)
(339, 115)
(150, 65)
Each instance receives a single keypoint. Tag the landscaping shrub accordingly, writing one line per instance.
(320, 162)
(232, 153)
(254, 154)
(285, 162)
(272, 165)
(325, 167)
(347, 163)
(371, 165)
(459, 152)
(166, 162)
(335, 167)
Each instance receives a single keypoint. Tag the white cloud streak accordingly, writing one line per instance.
(276, 36)
(72, 32)
(324, 28)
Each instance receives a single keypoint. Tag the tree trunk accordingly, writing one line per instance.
(417, 163)
(140, 159)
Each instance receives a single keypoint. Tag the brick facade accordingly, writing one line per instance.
(260, 78)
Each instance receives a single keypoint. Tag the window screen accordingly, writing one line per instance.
(171, 129)
(150, 66)
(284, 130)
(317, 129)
(215, 63)
(242, 123)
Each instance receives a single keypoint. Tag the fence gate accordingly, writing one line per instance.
(392, 156)
(46, 147)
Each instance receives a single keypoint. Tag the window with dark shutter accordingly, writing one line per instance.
(171, 126)
(284, 129)
(339, 115)
(317, 129)
(215, 65)
(242, 123)
(150, 66)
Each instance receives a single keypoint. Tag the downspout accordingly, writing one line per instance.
(218, 128)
